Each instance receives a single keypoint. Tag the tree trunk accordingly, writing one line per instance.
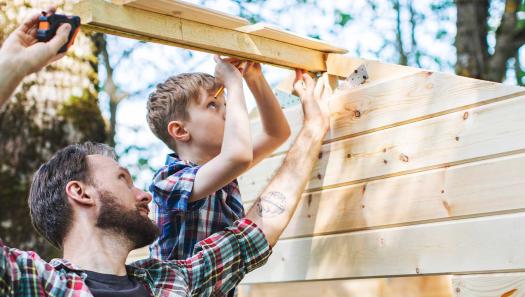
(51, 109)
(473, 58)
(471, 38)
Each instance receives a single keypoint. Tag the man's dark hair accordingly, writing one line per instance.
(50, 210)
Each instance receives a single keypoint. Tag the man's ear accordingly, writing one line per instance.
(80, 193)
(178, 132)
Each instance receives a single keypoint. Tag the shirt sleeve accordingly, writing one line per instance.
(10, 272)
(220, 261)
(172, 186)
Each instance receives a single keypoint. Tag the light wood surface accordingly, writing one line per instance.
(501, 285)
(488, 244)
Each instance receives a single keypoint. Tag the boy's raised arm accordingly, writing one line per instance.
(275, 126)
(236, 152)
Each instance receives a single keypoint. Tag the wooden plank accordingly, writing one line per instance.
(465, 136)
(343, 66)
(421, 286)
(188, 11)
(455, 192)
(404, 100)
(276, 33)
(491, 244)
(131, 22)
(488, 285)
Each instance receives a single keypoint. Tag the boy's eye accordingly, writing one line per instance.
(212, 105)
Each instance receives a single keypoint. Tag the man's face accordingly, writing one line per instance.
(122, 207)
(206, 122)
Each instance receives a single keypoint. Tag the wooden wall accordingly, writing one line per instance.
(422, 173)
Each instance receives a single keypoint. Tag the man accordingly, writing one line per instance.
(22, 55)
(82, 201)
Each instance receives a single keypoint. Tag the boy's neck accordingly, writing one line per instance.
(193, 155)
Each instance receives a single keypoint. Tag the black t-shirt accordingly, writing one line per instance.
(109, 285)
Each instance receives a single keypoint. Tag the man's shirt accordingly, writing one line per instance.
(218, 264)
(183, 223)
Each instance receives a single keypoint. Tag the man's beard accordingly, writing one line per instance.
(140, 231)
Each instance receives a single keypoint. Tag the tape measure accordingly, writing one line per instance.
(49, 24)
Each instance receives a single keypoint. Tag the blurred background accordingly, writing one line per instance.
(99, 91)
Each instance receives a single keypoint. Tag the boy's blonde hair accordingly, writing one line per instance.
(170, 101)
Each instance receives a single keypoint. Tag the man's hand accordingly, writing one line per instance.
(23, 49)
(226, 73)
(22, 54)
(315, 107)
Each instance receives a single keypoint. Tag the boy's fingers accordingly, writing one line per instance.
(217, 59)
(60, 38)
(309, 81)
(232, 60)
(300, 87)
(298, 75)
(319, 88)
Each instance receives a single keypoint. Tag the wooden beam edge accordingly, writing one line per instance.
(101, 16)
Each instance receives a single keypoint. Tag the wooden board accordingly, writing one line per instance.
(188, 11)
(492, 244)
(343, 66)
(276, 33)
(403, 100)
(465, 136)
(488, 285)
(437, 195)
(131, 22)
(421, 286)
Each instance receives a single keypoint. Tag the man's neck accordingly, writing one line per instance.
(90, 248)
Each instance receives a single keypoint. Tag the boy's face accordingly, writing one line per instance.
(206, 122)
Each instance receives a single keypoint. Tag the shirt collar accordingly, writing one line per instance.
(174, 158)
(65, 264)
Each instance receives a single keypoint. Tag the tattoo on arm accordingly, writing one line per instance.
(271, 204)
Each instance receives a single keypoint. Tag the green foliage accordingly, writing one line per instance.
(342, 17)
(84, 114)
(31, 133)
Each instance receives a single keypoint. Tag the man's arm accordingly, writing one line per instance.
(236, 152)
(275, 206)
(21, 54)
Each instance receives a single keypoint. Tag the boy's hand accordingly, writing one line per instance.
(23, 48)
(226, 73)
(315, 108)
(250, 70)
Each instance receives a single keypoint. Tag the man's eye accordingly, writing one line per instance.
(212, 105)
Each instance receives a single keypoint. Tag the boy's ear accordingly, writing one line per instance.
(80, 193)
(178, 132)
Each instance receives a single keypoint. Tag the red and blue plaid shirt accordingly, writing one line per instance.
(184, 223)
(218, 264)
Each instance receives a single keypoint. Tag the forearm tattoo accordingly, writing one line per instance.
(271, 204)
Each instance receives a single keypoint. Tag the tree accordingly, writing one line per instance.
(475, 57)
(51, 109)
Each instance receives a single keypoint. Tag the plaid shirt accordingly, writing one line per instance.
(184, 223)
(218, 264)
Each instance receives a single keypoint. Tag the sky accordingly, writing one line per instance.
(364, 36)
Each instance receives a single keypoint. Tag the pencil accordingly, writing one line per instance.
(219, 91)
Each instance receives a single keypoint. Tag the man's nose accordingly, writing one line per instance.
(143, 196)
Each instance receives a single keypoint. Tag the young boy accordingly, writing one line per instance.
(196, 193)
